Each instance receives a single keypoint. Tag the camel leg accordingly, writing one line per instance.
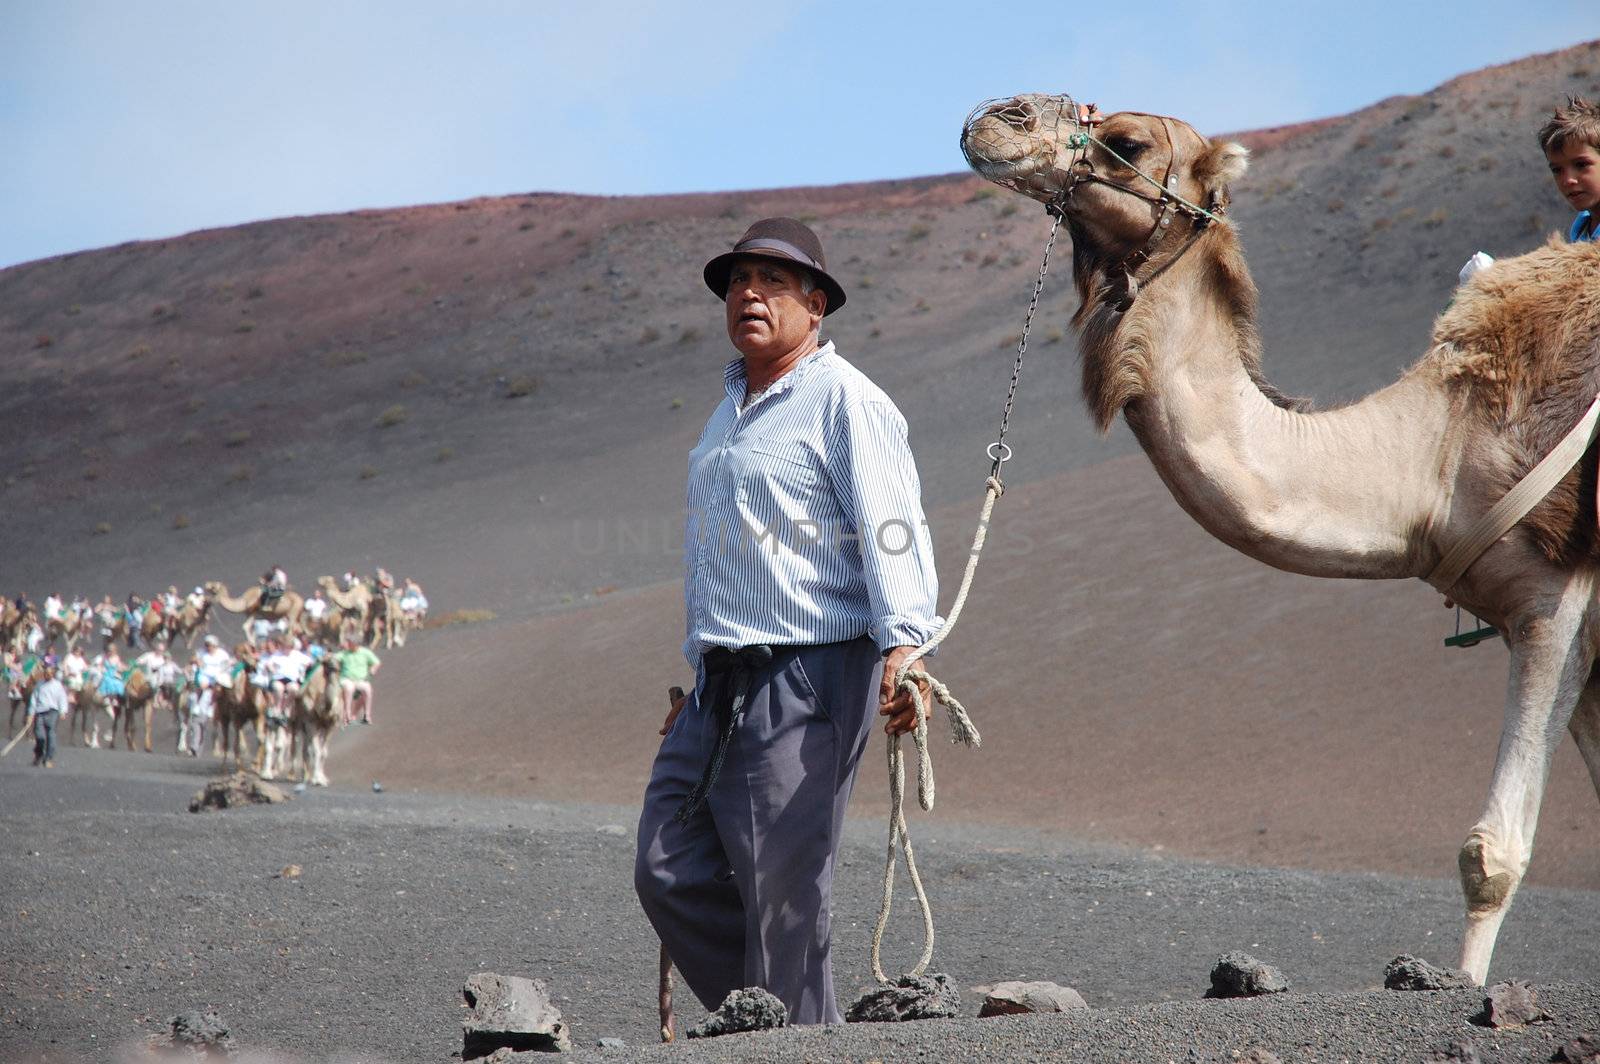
(1585, 728)
(319, 759)
(1550, 661)
(149, 724)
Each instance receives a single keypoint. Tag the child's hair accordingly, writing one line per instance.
(1579, 119)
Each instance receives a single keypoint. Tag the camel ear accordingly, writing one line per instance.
(1222, 164)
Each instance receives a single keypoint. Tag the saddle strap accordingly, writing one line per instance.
(1515, 504)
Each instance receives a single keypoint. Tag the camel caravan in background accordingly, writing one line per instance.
(1401, 485)
(366, 611)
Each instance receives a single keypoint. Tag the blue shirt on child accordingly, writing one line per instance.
(1584, 229)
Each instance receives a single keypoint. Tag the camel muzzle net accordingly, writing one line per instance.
(1027, 143)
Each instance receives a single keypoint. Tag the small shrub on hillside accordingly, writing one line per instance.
(1362, 142)
(650, 335)
(568, 234)
(921, 307)
(918, 232)
(689, 335)
(988, 260)
(412, 379)
(1054, 336)
(454, 617)
(191, 436)
(527, 290)
(471, 239)
(1380, 224)
(444, 454)
(1437, 218)
(368, 472)
(676, 404)
(91, 473)
(1011, 341)
(522, 386)
(73, 311)
(42, 341)
(193, 404)
(254, 293)
(239, 474)
(525, 226)
(180, 521)
(237, 438)
(346, 358)
(1448, 151)
(103, 528)
(392, 416)
(980, 194)
(159, 310)
(245, 326)
(1335, 205)
(874, 333)
(1008, 210)
(139, 352)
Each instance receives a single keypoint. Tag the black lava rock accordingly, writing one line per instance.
(750, 1009)
(911, 997)
(1406, 972)
(1241, 975)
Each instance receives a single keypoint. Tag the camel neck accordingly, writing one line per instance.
(1345, 493)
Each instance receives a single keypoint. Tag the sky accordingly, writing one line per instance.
(123, 120)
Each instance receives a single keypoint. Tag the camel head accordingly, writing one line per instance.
(1106, 173)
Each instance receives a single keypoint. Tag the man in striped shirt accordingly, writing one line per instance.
(808, 579)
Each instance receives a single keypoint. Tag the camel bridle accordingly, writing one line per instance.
(1167, 202)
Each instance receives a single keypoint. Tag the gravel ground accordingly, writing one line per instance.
(123, 908)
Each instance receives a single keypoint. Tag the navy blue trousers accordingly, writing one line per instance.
(740, 893)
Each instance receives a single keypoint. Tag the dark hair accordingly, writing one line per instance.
(1579, 120)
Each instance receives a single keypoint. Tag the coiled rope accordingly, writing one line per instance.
(962, 729)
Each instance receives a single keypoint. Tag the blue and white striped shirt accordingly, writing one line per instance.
(805, 520)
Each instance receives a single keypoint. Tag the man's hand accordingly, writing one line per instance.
(676, 698)
(897, 705)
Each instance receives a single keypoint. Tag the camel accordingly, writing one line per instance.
(139, 698)
(287, 607)
(316, 717)
(20, 676)
(237, 706)
(69, 628)
(188, 621)
(88, 709)
(355, 607)
(1380, 489)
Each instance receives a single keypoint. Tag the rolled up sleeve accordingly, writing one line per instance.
(874, 478)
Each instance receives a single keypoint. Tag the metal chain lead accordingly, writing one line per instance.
(998, 450)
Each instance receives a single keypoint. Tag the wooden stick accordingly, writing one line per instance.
(25, 726)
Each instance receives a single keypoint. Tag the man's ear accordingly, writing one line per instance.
(817, 302)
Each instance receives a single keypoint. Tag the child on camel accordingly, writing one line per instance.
(1571, 144)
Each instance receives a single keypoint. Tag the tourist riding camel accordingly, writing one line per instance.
(286, 607)
(1381, 489)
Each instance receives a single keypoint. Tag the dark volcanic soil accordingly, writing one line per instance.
(122, 908)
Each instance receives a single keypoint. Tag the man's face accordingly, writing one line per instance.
(1576, 168)
(768, 313)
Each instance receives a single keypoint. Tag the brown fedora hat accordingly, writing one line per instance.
(783, 240)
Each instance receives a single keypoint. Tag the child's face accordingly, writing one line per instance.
(1576, 168)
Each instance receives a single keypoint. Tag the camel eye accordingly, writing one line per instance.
(1128, 149)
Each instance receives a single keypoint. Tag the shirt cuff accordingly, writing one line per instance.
(894, 632)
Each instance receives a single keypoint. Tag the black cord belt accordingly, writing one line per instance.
(727, 689)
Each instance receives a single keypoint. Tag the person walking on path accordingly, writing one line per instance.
(808, 579)
(45, 707)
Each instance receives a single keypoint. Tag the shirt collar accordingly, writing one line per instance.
(734, 377)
